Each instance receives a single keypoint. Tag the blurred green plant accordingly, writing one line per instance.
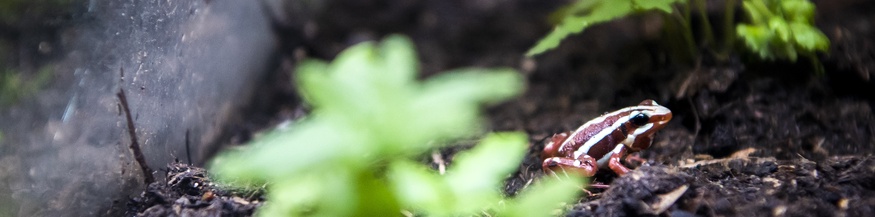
(782, 29)
(779, 29)
(354, 155)
(15, 86)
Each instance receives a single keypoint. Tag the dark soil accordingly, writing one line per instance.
(753, 139)
(188, 191)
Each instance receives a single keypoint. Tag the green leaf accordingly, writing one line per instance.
(327, 194)
(782, 43)
(400, 62)
(758, 10)
(420, 189)
(473, 85)
(382, 92)
(800, 11)
(756, 38)
(309, 146)
(476, 173)
(472, 183)
(781, 29)
(585, 13)
(375, 197)
(447, 106)
(544, 197)
(597, 12)
(809, 38)
(662, 5)
(341, 193)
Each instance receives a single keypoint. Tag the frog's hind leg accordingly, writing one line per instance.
(552, 148)
(586, 166)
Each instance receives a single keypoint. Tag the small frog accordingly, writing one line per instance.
(604, 141)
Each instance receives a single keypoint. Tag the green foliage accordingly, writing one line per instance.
(543, 197)
(584, 13)
(15, 86)
(353, 156)
(781, 29)
(471, 185)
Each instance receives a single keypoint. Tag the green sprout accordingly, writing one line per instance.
(781, 29)
(356, 153)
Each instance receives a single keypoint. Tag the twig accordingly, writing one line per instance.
(696, 118)
(740, 154)
(188, 147)
(667, 199)
(135, 146)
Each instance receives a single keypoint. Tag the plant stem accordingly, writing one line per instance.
(707, 31)
(816, 64)
(728, 27)
(762, 8)
(686, 23)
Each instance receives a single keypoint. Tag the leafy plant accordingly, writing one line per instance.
(584, 13)
(781, 29)
(355, 153)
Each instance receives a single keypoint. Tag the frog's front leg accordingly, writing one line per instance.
(627, 147)
(614, 161)
(586, 165)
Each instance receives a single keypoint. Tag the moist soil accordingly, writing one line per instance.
(748, 138)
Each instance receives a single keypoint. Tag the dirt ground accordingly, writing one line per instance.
(754, 139)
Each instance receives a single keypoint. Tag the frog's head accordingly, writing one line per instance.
(643, 121)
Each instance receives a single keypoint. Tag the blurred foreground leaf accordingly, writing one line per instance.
(353, 155)
(542, 198)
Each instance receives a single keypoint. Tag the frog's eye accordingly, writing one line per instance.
(640, 119)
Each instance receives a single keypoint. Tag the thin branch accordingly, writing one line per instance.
(188, 147)
(135, 145)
